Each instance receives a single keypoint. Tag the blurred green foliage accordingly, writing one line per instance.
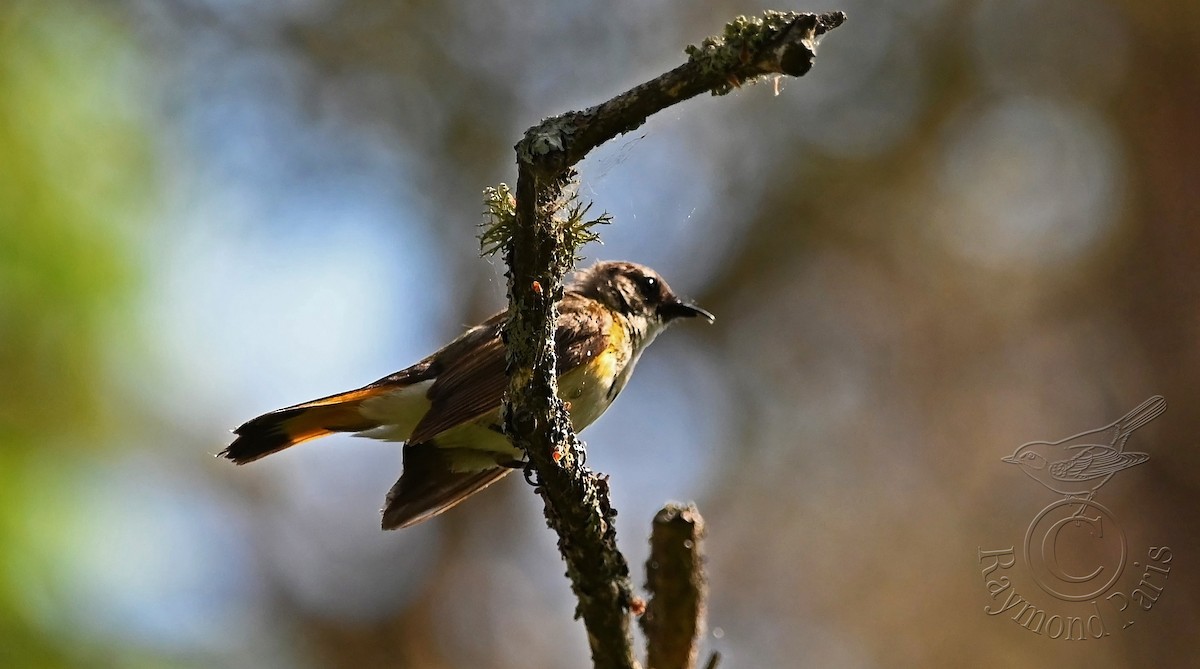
(74, 174)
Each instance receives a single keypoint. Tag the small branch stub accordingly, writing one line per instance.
(674, 618)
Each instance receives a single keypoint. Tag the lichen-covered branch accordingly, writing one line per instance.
(576, 501)
(540, 249)
(780, 43)
(674, 617)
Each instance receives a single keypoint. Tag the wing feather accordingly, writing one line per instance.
(471, 377)
(1099, 461)
(429, 486)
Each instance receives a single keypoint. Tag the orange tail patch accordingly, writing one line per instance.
(282, 428)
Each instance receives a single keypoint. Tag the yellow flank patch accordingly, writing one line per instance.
(618, 341)
(587, 386)
(604, 368)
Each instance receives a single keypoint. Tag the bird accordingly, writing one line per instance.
(446, 408)
(1076, 467)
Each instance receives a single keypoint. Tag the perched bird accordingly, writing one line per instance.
(1077, 466)
(446, 408)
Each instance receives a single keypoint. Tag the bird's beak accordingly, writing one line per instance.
(679, 309)
(1010, 459)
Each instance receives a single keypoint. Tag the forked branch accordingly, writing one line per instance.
(541, 248)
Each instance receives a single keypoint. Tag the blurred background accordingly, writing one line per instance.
(972, 225)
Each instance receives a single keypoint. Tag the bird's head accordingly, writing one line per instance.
(638, 293)
(1029, 456)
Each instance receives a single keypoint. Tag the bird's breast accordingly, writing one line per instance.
(592, 386)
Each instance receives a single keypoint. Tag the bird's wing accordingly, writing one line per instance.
(1095, 463)
(471, 377)
(430, 486)
(470, 380)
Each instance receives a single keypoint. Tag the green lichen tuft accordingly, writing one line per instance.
(571, 220)
(577, 228)
(499, 219)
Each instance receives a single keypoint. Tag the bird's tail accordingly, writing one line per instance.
(1144, 413)
(282, 428)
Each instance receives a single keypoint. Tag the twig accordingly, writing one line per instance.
(539, 254)
(674, 618)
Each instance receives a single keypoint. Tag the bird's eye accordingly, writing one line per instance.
(648, 285)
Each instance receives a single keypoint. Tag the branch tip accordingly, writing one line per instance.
(674, 619)
(751, 47)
